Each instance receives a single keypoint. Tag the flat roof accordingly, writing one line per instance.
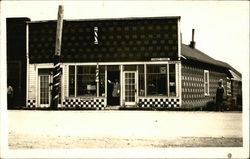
(106, 19)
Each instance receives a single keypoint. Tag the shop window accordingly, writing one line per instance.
(71, 81)
(141, 80)
(102, 81)
(172, 80)
(157, 82)
(86, 84)
(82, 81)
(206, 82)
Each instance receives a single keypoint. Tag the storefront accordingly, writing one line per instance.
(140, 55)
(128, 62)
(87, 85)
(137, 82)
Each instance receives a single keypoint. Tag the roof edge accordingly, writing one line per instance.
(213, 62)
(103, 19)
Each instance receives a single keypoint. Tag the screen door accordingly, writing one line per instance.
(44, 90)
(129, 87)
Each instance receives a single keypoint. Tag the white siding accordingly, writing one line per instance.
(65, 82)
(177, 79)
(178, 82)
(32, 81)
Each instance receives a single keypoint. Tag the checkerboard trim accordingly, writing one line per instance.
(31, 103)
(98, 103)
(159, 102)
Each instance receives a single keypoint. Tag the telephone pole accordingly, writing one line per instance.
(57, 70)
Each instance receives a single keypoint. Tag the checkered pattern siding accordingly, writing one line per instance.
(193, 85)
(118, 40)
(82, 103)
(159, 102)
(31, 103)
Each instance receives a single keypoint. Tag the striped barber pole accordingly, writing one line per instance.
(56, 83)
(97, 74)
(57, 70)
(95, 35)
(97, 79)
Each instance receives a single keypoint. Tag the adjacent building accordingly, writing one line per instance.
(16, 60)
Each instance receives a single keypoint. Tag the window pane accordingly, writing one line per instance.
(172, 80)
(206, 88)
(157, 80)
(86, 84)
(206, 82)
(228, 88)
(206, 77)
(141, 80)
(71, 80)
(101, 80)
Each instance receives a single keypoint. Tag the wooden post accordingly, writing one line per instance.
(57, 70)
(97, 80)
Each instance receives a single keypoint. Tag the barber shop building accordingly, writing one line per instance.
(127, 62)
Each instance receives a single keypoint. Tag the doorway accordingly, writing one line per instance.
(45, 79)
(113, 86)
(130, 87)
(44, 90)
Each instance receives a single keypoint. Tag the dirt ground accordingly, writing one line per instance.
(18, 141)
(123, 129)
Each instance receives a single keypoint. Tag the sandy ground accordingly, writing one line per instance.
(123, 129)
(20, 141)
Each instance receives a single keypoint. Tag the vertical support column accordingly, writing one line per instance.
(106, 86)
(145, 79)
(121, 86)
(179, 77)
(179, 38)
(168, 87)
(97, 80)
(57, 70)
(75, 81)
(37, 86)
(27, 64)
(137, 83)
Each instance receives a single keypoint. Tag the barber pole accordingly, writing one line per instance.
(57, 70)
(97, 78)
(95, 35)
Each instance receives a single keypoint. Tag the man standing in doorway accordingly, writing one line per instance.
(219, 95)
(116, 90)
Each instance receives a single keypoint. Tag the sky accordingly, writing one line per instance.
(221, 27)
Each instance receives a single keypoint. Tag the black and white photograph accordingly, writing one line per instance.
(124, 79)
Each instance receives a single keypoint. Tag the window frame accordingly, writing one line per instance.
(87, 74)
(76, 82)
(206, 83)
(158, 74)
(229, 88)
(74, 90)
(168, 85)
(175, 80)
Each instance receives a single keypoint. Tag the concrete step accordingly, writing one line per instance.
(112, 107)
